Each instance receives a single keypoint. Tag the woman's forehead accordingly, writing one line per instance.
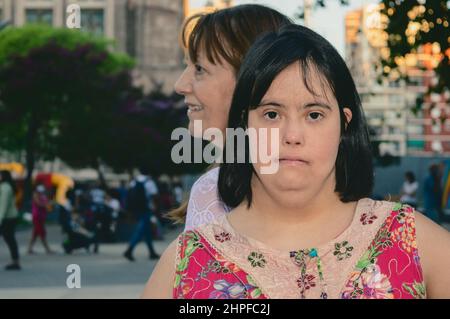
(301, 83)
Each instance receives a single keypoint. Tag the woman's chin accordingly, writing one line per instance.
(195, 130)
(289, 184)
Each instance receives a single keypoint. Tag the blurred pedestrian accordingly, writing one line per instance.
(123, 192)
(9, 217)
(432, 193)
(409, 190)
(39, 209)
(443, 173)
(140, 202)
(178, 192)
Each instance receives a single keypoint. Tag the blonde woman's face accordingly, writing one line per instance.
(208, 90)
(309, 134)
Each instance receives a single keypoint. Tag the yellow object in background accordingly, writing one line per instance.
(16, 168)
(63, 183)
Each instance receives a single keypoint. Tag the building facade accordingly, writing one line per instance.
(388, 103)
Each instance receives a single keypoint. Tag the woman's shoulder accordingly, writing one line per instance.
(389, 215)
(393, 211)
(417, 235)
(160, 284)
(379, 207)
(202, 236)
(205, 187)
(208, 178)
(433, 242)
(204, 203)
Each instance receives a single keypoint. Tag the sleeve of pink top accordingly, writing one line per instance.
(204, 203)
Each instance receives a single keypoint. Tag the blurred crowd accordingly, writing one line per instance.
(92, 213)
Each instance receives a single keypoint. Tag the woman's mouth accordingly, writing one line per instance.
(194, 108)
(290, 161)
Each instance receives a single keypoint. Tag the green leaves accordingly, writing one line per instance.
(182, 266)
(417, 290)
(397, 206)
(256, 293)
(431, 26)
(177, 281)
(58, 92)
(21, 41)
(256, 259)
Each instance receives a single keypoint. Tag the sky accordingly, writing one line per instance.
(329, 21)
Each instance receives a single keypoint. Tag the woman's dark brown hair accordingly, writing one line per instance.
(267, 58)
(226, 35)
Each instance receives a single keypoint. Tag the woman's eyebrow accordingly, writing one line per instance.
(271, 103)
(319, 104)
(305, 106)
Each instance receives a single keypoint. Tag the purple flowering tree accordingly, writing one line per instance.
(52, 80)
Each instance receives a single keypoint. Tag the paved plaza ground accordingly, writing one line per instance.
(105, 275)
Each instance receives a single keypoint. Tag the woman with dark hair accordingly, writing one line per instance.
(409, 190)
(308, 230)
(8, 217)
(215, 44)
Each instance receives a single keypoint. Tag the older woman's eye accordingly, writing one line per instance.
(271, 115)
(198, 69)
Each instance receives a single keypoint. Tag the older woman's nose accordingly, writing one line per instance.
(183, 85)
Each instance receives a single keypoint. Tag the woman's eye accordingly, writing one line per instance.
(271, 115)
(198, 69)
(315, 116)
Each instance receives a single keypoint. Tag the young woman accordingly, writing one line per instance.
(309, 230)
(216, 44)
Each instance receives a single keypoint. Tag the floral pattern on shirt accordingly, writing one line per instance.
(375, 276)
(389, 268)
(202, 273)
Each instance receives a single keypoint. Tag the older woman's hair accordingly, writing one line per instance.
(227, 34)
(267, 58)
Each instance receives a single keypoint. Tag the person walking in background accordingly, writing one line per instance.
(123, 192)
(178, 192)
(443, 177)
(409, 190)
(140, 198)
(9, 217)
(433, 193)
(39, 214)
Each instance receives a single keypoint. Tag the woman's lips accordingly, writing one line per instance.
(292, 161)
(193, 109)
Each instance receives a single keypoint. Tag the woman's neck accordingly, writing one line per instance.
(309, 222)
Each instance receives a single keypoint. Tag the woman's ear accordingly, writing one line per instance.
(348, 116)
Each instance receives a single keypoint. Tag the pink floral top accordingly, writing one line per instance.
(376, 257)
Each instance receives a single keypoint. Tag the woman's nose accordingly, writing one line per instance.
(292, 134)
(183, 85)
